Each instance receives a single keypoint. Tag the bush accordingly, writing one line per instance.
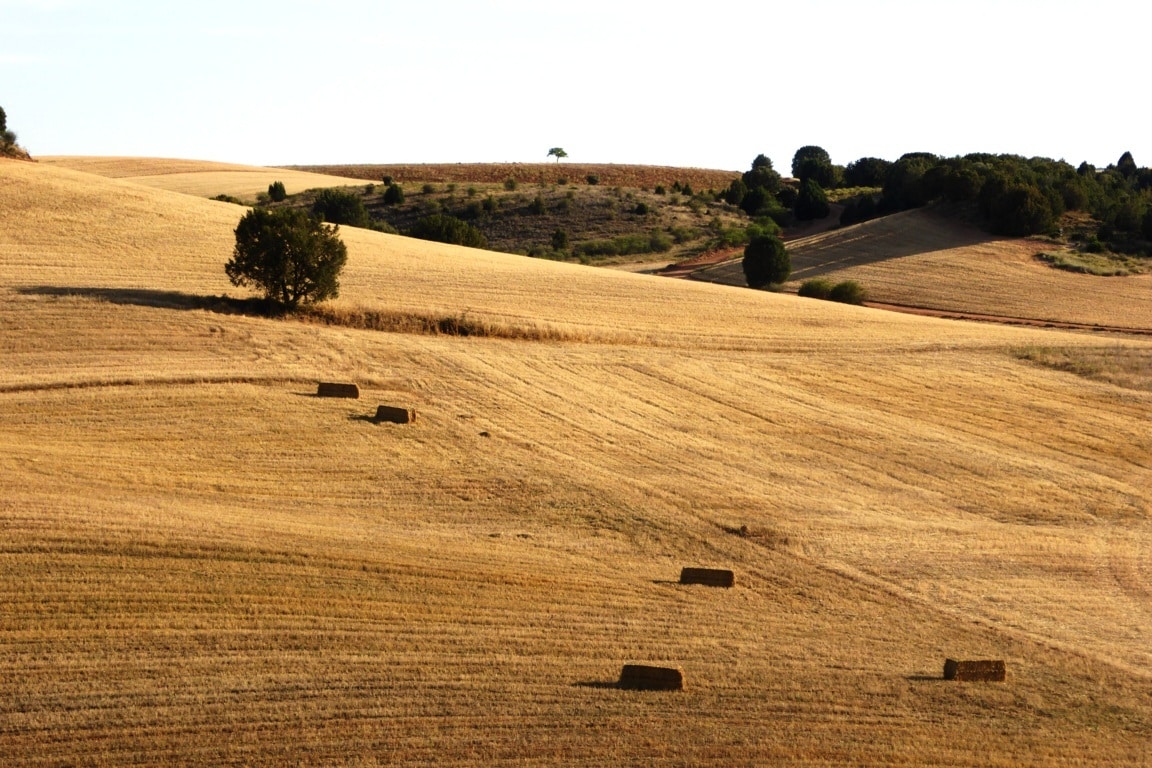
(338, 206)
(766, 262)
(660, 189)
(386, 180)
(816, 288)
(811, 203)
(641, 209)
(536, 207)
(848, 292)
(291, 256)
(428, 189)
(592, 179)
(276, 192)
(559, 240)
(510, 184)
(562, 180)
(394, 195)
(229, 199)
(443, 228)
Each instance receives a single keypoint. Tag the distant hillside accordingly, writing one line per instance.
(611, 175)
(922, 259)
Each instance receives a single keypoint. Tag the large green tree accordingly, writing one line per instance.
(291, 256)
(766, 262)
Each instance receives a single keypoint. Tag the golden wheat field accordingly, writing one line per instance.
(203, 564)
(921, 259)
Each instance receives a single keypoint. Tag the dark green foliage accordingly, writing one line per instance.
(687, 189)
(641, 209)
(393, 195)
(736, 191)
(387, 181)
(443, 228)
(848, 292)
(1126, 165)
(660, 189)
(429, 189)
(866, 172)
(761, 176)
(291, 256)
(536, 207)
(858, 209)
(811, 203)
(339, 206)
(510, 184)
(816, 288)
(559, 240)
(761, 161)
(766, 262)
(592, 179)
(229, 199)
(814, 163)
(276, 192)
(1020, 210)
(757, 201)
(1146, 224)
(904, 183)
(3, 120)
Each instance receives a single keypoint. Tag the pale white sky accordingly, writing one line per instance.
(688, 84)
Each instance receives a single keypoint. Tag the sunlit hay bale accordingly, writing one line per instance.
(331, 389)
(641, 677)
(987, 670)
(710, 577)
(394, 415)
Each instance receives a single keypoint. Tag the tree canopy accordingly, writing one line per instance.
(557, 152)
(766, 262)
(288, 254)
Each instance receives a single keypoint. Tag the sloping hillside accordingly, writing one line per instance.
(920, 259)
(204, 564)
(199, 177)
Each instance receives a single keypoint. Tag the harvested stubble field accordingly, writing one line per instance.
(920, 259)
(204, 564)
(607, 174)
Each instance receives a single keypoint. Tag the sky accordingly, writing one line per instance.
(707, 85)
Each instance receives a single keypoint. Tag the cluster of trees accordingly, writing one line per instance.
(1013, 195)
(1025, 196)
(8, 145)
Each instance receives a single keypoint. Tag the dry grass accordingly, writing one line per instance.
(200, 178)
(920, 259)
(205, 564)
(1117, 364)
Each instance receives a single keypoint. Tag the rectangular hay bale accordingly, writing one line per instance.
(641, 677)
(987, 670)
(332, 389)
(712, 577)
(394, 415)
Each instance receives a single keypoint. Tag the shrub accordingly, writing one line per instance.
(443, 228)
(490, 204)
(471, 192)
(394, 195)
(338, 206)
(291, 256)
(660, 189)
(429, 189)
(562, 180)
(229, 199)
(811, 203)
(592, 179)
(369, 189)
(510, 184)
(536, 207)
(816, 288)
(276, 192)
(848, 292)
(766, 262)
(641, 209)
(387, 180)
(559, 240)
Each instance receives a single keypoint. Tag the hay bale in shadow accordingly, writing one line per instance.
(711, 577)
(332, 389)
(987, 670)
(394, 415)
(641, 677)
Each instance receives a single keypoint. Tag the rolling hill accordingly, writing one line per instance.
(920, 259)
(205, 564)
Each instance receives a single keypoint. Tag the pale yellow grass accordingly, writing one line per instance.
(921, 259)
(199, 177)
(205, 565)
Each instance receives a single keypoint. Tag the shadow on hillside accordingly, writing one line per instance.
(601, 684)
(146, 297)
(925, 678)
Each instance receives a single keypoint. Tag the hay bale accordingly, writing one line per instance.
(711, 577)
(332, 389)
(394, 415)
(987, 670)
(641, 677)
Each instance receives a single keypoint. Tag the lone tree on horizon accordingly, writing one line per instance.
(558, 152)
(290, 255)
